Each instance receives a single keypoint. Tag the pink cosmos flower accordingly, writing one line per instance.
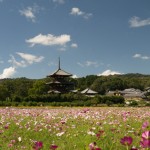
(145, 143)
(97, 148)
(37, 145)
(13, 141)
(145, 125)
(6, 126)
(100, 132)
(53, 147)
(63, 122)
(10, 145)
(126, 140)
(93, 146)
(146, 135)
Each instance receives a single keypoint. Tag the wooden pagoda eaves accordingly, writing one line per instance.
(60, 72)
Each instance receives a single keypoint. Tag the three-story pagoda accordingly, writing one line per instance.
(60, 81)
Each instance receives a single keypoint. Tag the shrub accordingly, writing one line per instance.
(133, 103)
(109, 103)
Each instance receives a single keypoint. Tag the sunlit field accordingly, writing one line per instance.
(75, 128)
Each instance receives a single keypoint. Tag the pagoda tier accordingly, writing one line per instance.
(60, 74)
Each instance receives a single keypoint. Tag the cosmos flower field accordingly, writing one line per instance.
(75, 128)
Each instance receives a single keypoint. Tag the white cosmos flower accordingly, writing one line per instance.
(19, 139)
(60, 134)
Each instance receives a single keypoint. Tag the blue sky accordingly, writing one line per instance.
(98, 37)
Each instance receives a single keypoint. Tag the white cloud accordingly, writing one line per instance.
(16, 63)
(29, 13)
(77, 12)
(30, 59)
(137, 56)
(59, 1)
(74, 77)
(141, 57)
(137, 22)
(27, 59)
(74, 45)
(109, 72)
(49, 39)
(8, 72)
(91, 63)
(1, 0)
(88, 64)
(145, 57)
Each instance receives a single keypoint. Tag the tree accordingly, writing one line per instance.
(4, 93)
(100, 85)
(115, 83)
(39, 88)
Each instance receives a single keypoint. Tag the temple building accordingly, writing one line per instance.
(60, 81)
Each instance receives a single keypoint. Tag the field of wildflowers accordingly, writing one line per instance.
(75, 128)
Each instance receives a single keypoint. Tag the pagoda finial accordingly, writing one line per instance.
(59, 63)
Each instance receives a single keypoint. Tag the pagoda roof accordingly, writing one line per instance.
(60, 72)
(88, 91)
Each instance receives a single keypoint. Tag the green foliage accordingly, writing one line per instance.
(25, 90)
(133, 103)
(39, 88)
(4, 93)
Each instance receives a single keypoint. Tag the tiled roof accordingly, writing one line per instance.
(60, 72)
(88, 91)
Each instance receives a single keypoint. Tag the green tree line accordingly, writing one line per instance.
(24, 88)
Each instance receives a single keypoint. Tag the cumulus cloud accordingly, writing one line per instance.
(30, 59)
(74, 45)
(8, 72)
(77, 12)
(26, 60)
(141, 57)
(137, 22)
(88, 64)
(74, 77)
(49, 40)
(109, 72)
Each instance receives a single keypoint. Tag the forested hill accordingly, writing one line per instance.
(24, 87)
